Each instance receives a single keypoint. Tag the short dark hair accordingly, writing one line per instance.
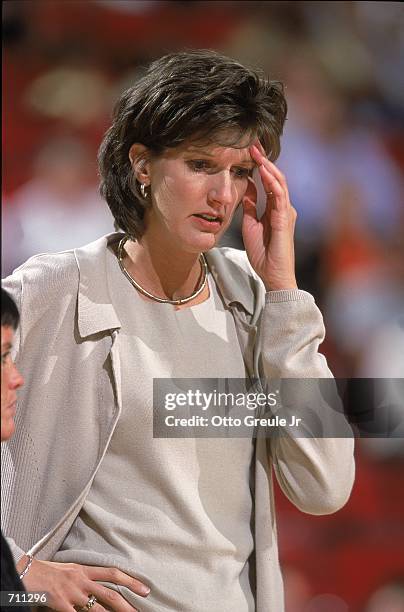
(189, 95)
(10, 316)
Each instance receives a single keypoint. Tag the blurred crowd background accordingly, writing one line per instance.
(342, 63)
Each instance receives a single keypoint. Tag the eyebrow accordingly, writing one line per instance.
(203, 152)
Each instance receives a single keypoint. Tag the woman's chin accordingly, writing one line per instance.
(204, 242)
(7, 428)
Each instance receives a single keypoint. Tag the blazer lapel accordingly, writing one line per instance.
(238, 290)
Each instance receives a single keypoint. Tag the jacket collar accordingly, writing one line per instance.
(95, 310)
(233, 276)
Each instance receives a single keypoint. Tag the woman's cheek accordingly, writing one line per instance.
(194, 187)
(240, 193)
(229, 217)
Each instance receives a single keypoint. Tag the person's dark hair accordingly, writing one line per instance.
(191, 95)
(9, 312)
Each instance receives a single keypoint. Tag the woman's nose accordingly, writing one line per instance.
(16, 380)
(222, 190)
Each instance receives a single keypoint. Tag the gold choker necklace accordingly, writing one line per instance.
(198, 291)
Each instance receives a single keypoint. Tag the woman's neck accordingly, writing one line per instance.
(162, 268)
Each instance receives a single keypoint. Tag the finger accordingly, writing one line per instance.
(260, 147)
(112, 600)
(70, 601)
(278, 174)
(251, 227)
(250, 209)
(113, 574)
(64, 608)
(251, 191)
(273, 189)
(261, 159)
(293, 212)
(256, 154)
(263, 162)
(96, 607)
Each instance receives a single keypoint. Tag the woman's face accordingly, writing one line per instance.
(195, 191)
(11, 380)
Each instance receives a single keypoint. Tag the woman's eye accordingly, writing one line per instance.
(202, 165)
(4, 357)
(242, 172)
(198, 165)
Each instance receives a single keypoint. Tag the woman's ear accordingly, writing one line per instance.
(140, 162)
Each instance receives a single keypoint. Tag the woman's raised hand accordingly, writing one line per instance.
(69, 586)
(269, 241)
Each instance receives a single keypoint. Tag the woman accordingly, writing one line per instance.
(191, 520)
(11, 381)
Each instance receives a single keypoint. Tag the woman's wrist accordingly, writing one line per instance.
(280, 285)
(24, 564)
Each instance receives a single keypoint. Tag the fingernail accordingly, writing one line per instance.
(145, 591)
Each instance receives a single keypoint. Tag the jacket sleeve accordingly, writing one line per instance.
(316, 472)
(33, 286)
(16, 551)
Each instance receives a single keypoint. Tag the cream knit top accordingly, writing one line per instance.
(176, 513)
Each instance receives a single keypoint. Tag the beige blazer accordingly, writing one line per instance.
(68, 350)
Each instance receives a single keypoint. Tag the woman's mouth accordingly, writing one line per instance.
(208, 222)
(11, 408)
